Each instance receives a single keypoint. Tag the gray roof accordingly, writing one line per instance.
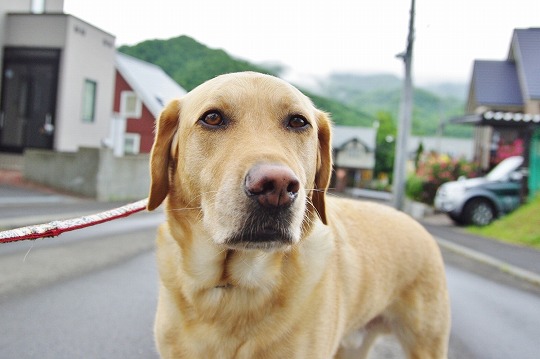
(153, 86)
(525, 50)
(343, 134)
(496, 83)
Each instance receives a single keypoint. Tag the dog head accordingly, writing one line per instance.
(251, 152)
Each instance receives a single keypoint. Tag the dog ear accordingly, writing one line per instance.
(324, 166)
(166, 126)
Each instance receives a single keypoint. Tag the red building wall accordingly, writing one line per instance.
(144, 126)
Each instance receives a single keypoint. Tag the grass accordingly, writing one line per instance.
(520, 227)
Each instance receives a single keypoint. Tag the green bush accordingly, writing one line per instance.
(414, 188)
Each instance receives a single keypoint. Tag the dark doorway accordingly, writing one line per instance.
(28, 103)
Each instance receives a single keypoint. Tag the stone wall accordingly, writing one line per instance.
(90, 172)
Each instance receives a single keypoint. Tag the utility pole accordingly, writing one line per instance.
(405, 119)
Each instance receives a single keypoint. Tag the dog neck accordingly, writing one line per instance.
(222, 291)
(219, 283)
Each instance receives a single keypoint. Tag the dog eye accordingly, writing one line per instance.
(297, 122)
(212, 119)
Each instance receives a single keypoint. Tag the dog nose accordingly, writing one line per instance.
(272, 185)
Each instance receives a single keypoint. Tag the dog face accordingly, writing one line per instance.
(249, 150)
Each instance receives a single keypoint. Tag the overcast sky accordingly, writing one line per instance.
(319, 37)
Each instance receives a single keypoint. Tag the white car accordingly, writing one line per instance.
(479, 201)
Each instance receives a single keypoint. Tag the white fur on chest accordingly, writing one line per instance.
(213, 276)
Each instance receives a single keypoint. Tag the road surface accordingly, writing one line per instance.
(92, 294)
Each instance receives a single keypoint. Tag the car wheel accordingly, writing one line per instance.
(479, 212)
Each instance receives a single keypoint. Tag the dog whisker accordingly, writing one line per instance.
(312, 205)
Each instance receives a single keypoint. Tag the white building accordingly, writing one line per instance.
(354, 156)
(57, 80)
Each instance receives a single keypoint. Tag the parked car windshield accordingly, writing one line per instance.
(503, 169)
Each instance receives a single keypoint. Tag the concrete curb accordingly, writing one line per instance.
(517, 272)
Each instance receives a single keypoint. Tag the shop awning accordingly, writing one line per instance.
(498, 118)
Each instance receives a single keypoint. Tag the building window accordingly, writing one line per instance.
(130, 105)
(89, 101)
(132, 143)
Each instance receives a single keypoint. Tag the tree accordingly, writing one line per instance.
(386, 143)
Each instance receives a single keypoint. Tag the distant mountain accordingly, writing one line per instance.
(375, 82)
(372, 93)
(352, 99)
(448, 89)
(343, 83)
(190, 63)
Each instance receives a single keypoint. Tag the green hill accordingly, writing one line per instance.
(373, 93)
(190, 63)
(428, 112)
(187, 61)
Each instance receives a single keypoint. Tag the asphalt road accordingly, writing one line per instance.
(492, 320)
(92, 294)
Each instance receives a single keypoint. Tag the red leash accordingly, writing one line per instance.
(56, 228)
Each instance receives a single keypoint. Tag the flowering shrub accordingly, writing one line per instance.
(432, 171)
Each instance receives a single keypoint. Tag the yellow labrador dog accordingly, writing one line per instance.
(255, 261)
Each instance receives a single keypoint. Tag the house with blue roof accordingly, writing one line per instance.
(504, 106)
